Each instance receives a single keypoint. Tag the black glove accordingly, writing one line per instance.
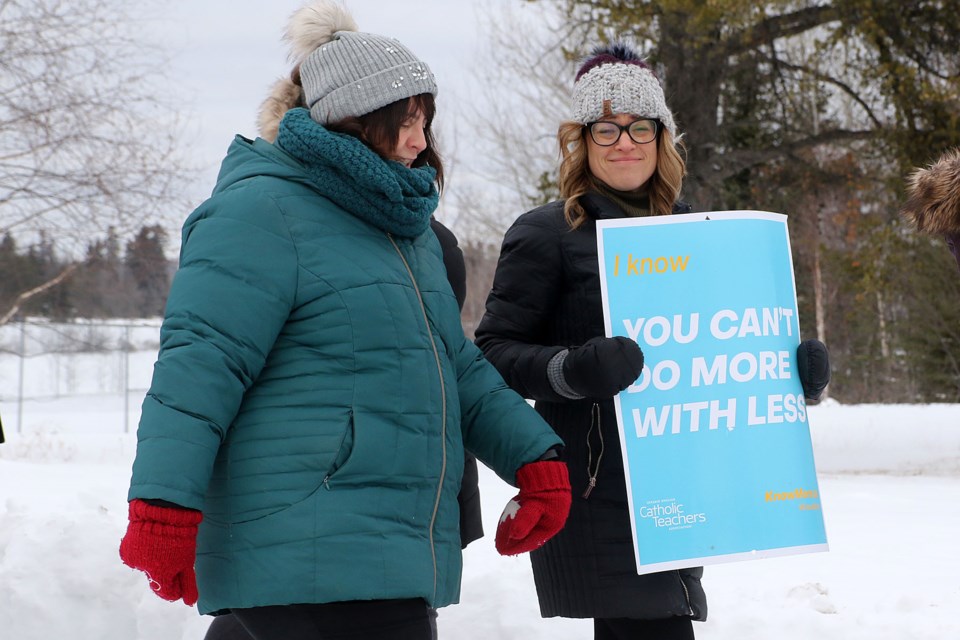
(813, 367)
(603, 367)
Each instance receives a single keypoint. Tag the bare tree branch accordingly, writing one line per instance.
(778, 27)
(26, 295)
(80, 149)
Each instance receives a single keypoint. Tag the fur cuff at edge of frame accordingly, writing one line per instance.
(933, 205)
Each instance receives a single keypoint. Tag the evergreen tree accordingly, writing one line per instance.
(814, 109)
(80, 145)
(147, 265)
(760, 84)
(102, 288)
(13, 272)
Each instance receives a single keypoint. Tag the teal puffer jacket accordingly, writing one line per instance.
(313, 397)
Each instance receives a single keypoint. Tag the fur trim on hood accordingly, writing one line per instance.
(309, 27)
(933, 205)
(285, 94)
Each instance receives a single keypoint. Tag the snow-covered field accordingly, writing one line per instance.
(889, 479)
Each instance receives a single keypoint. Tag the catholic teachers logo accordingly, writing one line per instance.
(669, 514)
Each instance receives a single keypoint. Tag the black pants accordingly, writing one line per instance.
(631, 629)
(227, 627)
(356, 620)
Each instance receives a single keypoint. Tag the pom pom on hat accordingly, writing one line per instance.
(617, 52)
(615, 79)
(313, 25)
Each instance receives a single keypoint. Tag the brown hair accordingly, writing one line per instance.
(574, 178)
(380, 129)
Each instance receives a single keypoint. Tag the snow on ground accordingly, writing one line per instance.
(889, 480)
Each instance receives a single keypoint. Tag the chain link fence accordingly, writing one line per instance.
(43, 360)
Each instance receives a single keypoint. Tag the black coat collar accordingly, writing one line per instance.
(599, 207)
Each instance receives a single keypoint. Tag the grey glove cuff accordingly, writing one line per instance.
(557, 381)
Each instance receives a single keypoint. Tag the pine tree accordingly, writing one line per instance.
(147, 265)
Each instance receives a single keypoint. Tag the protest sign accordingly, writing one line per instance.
(716, 442)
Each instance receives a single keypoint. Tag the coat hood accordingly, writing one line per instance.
(933, 204)
(247, 159)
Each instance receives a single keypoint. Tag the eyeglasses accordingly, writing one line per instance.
(607, 134)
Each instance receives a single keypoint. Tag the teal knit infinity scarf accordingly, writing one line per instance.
(384, 193)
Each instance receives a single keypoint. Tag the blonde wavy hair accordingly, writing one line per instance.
(574, 175)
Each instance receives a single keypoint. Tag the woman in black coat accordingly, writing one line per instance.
(543, 329)
(471, 525)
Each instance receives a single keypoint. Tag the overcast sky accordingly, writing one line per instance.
(227, 53)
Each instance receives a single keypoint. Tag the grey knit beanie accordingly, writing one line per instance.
(615, 79)
(346, 73)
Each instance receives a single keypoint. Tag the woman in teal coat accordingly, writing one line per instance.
(301, 446)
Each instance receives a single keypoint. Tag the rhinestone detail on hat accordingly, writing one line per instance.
(384, 69)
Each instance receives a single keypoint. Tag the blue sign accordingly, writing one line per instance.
(716, 443)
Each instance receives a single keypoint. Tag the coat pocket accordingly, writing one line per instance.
(343, 451)
(264, 473)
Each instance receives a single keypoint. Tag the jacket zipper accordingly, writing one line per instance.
(443, 400)
(326, 478)
(593, 472)
(686, 593)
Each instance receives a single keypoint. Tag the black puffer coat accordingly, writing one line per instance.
(471, 524)
(545, 298)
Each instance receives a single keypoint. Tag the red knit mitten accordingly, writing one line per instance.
(539, 511)
(162, 542)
